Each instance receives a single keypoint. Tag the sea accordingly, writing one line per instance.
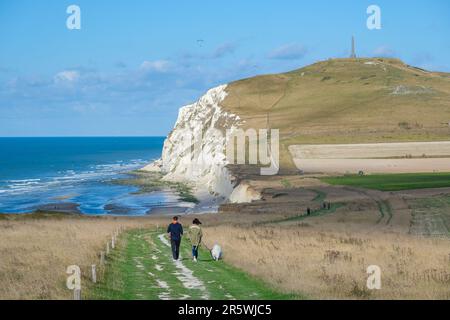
(38, 173)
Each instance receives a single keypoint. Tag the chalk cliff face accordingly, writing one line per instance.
(195, 149)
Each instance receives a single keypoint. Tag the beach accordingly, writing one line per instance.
(81, 176)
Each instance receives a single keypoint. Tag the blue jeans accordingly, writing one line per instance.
(195, 251)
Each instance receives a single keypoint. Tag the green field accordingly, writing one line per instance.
(393, 182)
(141, 268)
(345, 101)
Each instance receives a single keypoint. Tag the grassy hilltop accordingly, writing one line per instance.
(346, 101)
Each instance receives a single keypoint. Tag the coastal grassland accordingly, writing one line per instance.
(392, 182)
(326, 255)
(152, 181)
(322, 256)
(36, 249)
(327, 264)
(142, 268)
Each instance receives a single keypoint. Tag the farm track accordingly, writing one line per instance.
(142, 269)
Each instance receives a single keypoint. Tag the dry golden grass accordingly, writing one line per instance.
(322, 258)
(327, 264)
(34, 253)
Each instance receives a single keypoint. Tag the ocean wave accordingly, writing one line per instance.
(23, 180)
(69, 177)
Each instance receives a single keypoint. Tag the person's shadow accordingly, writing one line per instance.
(199, 259)
(206, 259)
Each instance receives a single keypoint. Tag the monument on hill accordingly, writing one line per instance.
(353, 55)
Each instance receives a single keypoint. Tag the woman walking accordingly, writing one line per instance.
(195, 234)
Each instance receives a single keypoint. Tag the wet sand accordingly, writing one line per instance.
(62, 207)
(167, 210)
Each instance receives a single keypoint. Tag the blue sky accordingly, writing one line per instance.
(134, 63)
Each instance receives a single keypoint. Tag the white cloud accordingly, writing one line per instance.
(156, 66)
(291, 51)
(66, 76)
(384, 51)
(223, 50)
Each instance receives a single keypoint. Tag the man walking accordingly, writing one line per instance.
(175, 231)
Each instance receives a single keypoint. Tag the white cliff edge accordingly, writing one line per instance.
(194, 152)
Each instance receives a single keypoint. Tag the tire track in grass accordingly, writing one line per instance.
(185, 275)
(384, 207)
(163, 270)
(132, 273)
(225, 282)
(142, 267)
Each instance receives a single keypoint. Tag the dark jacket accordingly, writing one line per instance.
(175, 230)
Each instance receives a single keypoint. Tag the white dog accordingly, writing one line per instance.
(216, 252)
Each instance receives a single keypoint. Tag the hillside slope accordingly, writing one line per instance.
(345, 101)
(337, 101)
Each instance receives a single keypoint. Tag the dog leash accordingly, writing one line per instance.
(202, 243)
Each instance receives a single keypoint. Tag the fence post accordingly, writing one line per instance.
(102, 258)
(94, 274)
(107, 248)
(113, 242)
(73, 281)
(77, 294)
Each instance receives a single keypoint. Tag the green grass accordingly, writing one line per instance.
(145, 181)
(320, 196)
(286, 183)
(127, 274)
(385, 210)
(184, 191)
(315, 213)
(393, 182)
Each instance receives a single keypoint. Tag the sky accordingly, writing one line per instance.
(134, 63)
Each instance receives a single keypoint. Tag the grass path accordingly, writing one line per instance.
(301, 217)
(384, 207)
(319, 198)
(142, 268)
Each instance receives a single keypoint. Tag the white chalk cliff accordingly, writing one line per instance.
(194, 151)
